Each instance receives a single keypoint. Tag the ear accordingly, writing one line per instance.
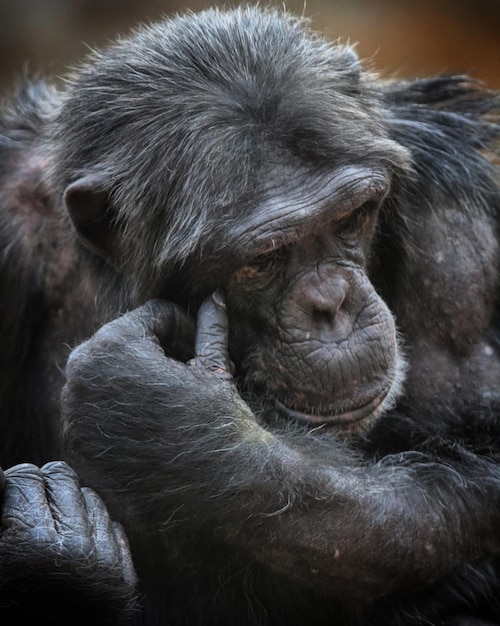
(88, 206)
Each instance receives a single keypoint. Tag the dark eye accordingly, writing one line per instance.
(268, 260)
(357, 220)
(262, 266)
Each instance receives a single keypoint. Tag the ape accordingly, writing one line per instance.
(323, 444)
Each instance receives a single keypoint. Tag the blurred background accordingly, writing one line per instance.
(400, 37)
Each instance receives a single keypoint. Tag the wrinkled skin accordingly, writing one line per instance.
(50, 524)
(316, 336)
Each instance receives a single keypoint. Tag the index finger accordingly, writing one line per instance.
(157, 319)
(211, 347)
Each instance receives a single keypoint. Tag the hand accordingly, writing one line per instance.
(58, 544)
(126, 368)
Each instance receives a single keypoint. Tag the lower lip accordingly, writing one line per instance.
(349, 417)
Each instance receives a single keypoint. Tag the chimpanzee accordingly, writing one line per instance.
(322, 445)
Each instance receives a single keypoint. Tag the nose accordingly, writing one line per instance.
(324, 298)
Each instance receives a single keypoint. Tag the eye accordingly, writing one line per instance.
(263, 265)
(358, 219)
(267, 260)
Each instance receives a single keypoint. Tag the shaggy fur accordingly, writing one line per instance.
(163, 166)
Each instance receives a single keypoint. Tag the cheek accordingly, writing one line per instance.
(352, 355)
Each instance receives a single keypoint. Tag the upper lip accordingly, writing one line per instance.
(339, 418)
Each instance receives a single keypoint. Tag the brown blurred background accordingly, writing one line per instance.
(403, 37)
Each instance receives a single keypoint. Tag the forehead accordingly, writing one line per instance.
(231, 82)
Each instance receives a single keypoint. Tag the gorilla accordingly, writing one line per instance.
(289, 271)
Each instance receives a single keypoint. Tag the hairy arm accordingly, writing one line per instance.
(178, 447)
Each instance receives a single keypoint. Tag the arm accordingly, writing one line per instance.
(176, 442)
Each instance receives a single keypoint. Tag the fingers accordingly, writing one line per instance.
(128, 571)
(167, 324)
(67, 505)
(24, 504)
(211, 345)
(164, 320)
(111, 544)
(158, 320)
(51, 520)
(45, 505)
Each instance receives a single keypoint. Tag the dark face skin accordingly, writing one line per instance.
(317, 340)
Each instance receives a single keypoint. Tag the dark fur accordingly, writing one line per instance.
(179, 188)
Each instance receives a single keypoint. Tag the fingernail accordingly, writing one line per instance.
(218, 298)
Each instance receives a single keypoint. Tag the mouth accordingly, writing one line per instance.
(341, 419)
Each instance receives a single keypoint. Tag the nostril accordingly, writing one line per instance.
(324, 309)
(321, 318)
(321, 297)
